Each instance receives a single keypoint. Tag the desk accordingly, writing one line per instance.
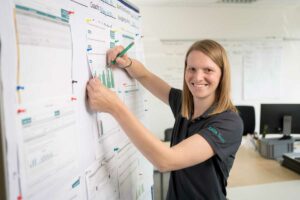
(161, 183)
(250, 168)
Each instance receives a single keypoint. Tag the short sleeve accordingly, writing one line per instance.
(175, 98)
(224, 133)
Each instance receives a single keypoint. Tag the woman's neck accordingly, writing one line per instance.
(201, 105)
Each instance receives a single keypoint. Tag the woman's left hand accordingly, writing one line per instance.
(100, 98)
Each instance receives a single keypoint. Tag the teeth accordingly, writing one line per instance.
(199, 85)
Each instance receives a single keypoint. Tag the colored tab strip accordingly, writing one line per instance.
(20, 87)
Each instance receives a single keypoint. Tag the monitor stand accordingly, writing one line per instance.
(287, 127)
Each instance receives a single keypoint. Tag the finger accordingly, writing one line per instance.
(125, 61)
(119, 48)
(109, 56)
(92, 85)
(122, 62)
(113, 55)
(94, 81)
(97, 83)
(88, 88)
(90, 92)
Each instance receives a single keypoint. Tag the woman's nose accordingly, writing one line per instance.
(199, 75)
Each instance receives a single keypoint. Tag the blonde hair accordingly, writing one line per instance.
(218, 55)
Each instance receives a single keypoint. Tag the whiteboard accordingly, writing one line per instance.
(250, 61)
(255, 63)
(56, 147)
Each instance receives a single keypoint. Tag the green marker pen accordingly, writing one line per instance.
(123, 52)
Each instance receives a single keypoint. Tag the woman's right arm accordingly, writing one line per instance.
(137, 70)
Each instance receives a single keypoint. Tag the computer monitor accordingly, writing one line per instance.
(280, 119)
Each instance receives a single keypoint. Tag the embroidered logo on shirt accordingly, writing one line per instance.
(216, 133)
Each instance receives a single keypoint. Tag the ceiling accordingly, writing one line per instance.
(215, 2)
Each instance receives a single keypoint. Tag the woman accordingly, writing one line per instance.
(207, 130)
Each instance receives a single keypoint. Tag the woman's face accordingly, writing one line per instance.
(202, 76)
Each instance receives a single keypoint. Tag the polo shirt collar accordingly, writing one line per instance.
(206, 113)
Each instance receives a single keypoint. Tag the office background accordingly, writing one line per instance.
(267, 30)
(264, 33)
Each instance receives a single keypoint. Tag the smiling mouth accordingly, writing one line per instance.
(199, 85)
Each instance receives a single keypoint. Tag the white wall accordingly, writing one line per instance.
(238, 22)
(219, 22)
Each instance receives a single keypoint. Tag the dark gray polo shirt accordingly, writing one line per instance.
(206, 180)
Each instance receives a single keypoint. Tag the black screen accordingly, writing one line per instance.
(271, 117)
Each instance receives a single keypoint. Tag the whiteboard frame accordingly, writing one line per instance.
(3, 170)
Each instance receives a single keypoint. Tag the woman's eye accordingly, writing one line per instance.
(208, 70)
(191, 69)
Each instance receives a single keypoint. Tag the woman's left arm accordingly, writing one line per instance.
(189, 152)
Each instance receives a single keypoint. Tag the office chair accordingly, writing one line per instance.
(247, 114)
(168, 134)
